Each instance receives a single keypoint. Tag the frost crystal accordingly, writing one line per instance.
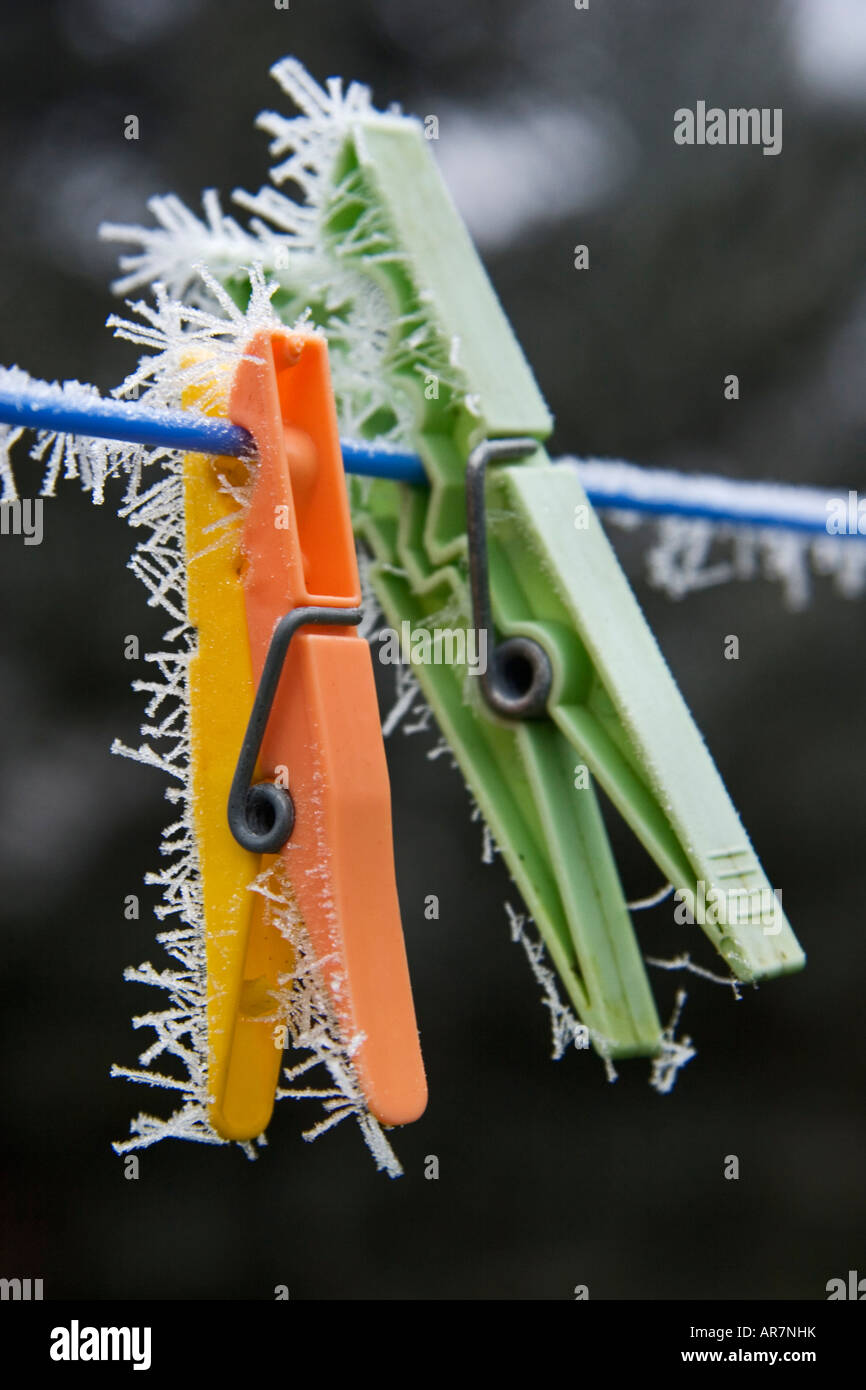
(687, 555)
(566, 1031)
(684, 962)
(8, 437)
(313, 1027)
(674, 1053)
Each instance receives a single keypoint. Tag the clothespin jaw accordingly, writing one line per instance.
(243, 1060)
(615, 702)
(551, 835)
(291, 586)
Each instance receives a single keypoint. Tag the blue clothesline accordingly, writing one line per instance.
(609, 485)
(94, 417)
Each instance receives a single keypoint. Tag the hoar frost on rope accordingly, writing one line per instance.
(688, 554)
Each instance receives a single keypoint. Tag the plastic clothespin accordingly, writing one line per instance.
(576, 679)
(274, 613)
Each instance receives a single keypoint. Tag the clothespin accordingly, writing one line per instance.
(285, 729)
(576, 683)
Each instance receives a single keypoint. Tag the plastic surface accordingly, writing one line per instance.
(243, 1061)
(324, 731)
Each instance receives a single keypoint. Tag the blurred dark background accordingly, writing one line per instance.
(556, 127)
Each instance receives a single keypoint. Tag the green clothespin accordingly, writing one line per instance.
(506, 542)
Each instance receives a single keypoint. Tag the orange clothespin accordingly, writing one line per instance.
(315, 725)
